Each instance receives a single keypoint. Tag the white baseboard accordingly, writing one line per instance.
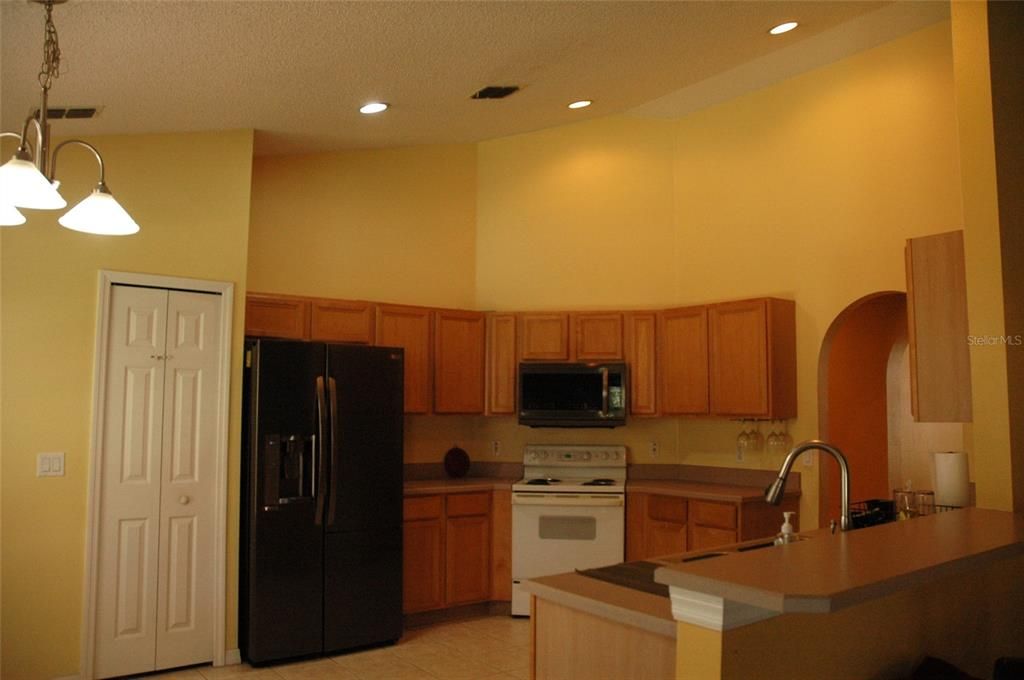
(232, 657)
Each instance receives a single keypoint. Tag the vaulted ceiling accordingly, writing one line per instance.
(297, 70)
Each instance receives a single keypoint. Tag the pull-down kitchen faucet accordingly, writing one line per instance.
(773, 494)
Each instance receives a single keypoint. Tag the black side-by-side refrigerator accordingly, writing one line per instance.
(321, 526)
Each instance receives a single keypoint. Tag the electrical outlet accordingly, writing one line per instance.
(653, 449)
(809, 458)
(50, 464)
(496, 447)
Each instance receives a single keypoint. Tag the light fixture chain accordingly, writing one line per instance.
(51, 51)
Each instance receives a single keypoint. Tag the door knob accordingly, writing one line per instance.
(184, 500)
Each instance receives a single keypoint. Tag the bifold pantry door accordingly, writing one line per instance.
(156, 510)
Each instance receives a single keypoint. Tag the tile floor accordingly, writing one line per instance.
(489, 648)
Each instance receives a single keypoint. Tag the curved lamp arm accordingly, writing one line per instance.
(87, 145)
(20, 139)
(25, 150)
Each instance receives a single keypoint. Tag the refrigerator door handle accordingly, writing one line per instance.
(318, 449)
(332, 504)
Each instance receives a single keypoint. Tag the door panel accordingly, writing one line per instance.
(157, 481)
(362, 588)
(129, 511)
(366, 477)
(281, 565)
(192, 381)
(131, 577)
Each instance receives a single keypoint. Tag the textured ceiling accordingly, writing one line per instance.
(297, 71)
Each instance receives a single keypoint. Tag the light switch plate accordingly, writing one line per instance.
(50, 464)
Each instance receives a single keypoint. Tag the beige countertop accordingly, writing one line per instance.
(828, 572)
(727, 493)
(649, 612)
(424, 487)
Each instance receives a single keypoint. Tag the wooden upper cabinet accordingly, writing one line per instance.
(940, 363)
(502, 367)
(277, 316)
(342, 321)
(458, 361)
(683, 361)
(597, 336)
(544, 336)
(753, 358)
(409, 328)
(640, 348)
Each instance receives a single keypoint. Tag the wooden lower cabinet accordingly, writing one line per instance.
(448, 550)
(664, 524)
(468, 566)
(665, 530)
(423, 563)
(712, 524)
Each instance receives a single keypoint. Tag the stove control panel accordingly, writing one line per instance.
(602, 456)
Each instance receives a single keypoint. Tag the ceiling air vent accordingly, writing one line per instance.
(495, 92)
(69, 112)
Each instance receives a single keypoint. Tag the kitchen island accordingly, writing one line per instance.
(864, 604)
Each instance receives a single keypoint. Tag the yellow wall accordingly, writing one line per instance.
(395, 225)
(190, 195)
(806, 189)
(991, 427)
(577, 217)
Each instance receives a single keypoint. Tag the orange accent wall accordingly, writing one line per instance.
(857, 418)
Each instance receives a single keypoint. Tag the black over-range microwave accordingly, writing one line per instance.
(572, 394)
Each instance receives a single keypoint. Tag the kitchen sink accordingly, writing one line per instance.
(738, 548)
(703, 556)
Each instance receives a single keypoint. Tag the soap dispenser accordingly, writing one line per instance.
(786, 534)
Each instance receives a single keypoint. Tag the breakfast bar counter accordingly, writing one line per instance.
(827, 572)
(869, 603)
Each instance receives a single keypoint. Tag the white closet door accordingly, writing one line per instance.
(130, 477)
(184, 626)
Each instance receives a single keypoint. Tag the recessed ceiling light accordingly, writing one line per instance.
(373, 107)
(784, 28)
(581, 104)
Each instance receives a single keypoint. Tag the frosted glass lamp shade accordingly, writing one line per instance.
(99, 213)
(23, 186)
(9, 216)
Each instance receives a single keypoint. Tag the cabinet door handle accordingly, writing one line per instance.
(184, 500)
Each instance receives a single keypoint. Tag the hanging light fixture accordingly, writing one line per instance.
(27, 180)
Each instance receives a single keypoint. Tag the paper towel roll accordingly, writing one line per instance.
(952, 479)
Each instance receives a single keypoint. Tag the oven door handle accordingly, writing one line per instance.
(604, 392)
(563, 500)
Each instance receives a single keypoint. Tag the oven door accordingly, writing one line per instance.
(554, 533)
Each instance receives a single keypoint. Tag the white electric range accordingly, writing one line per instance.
(568, 512)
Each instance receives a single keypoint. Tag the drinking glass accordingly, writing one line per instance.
(925, 502)
(774, 440)
(756, 438)
(742, 439)
(787, 439)
(906, 503)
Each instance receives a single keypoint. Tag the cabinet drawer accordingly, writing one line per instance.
(422, 507)
(666, 508)
(710, 537)
(460, 504)
(709, 514)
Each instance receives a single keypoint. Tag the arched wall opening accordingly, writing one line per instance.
(853, 370)
(864, 406)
